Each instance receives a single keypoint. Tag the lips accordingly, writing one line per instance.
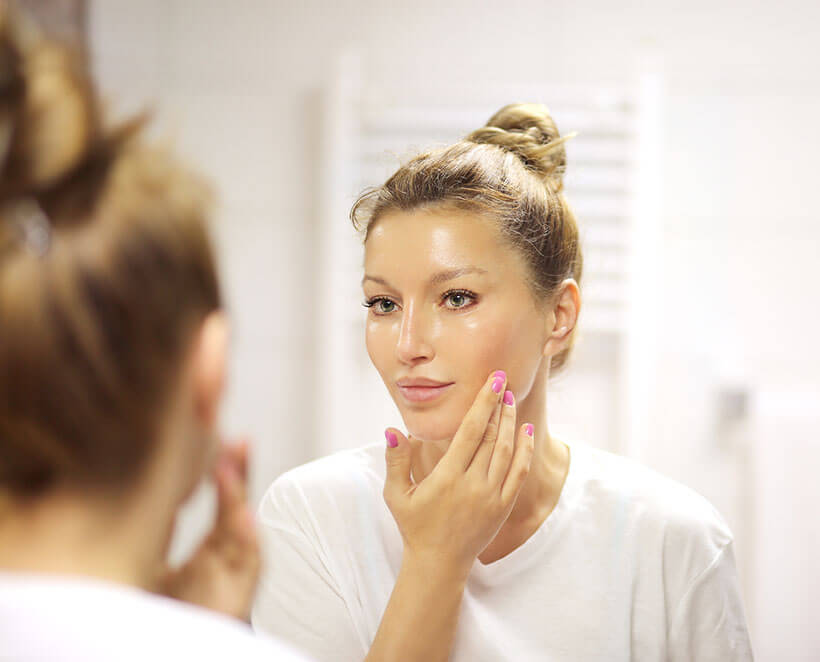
(422, 389)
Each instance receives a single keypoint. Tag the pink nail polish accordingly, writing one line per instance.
(500, 374)
(497, 384)
(529, 429)
(391, 438)
(508, 398)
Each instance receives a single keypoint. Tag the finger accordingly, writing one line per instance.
(233, 536)
(471, 431)
(520, 465)
(238, 543)
(230, 492)
(237, 454)
(504, 446)
(246, 526)
(481, 459)
(398, 481)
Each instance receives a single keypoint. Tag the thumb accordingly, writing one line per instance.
(397, 457)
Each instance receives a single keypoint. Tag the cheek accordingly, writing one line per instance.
(380, 344)
(504, 343)
(475, 347)
(469, 350)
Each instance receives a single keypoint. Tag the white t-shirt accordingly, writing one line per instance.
(60, 619)
(629, 566)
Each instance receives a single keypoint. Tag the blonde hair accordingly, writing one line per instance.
(106, 269)
(511, 169)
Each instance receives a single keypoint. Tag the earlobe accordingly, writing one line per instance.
(555, 340)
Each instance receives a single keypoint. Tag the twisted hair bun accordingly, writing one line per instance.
(48, 114)
(528, 131)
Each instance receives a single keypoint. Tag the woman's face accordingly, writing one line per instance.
(449, 303)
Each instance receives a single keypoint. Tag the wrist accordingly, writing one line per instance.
(435, 567)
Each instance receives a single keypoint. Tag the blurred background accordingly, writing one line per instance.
(694, 178)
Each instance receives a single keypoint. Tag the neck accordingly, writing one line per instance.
(121, 539)
(550, 461)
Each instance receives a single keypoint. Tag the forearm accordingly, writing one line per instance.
(419, 623)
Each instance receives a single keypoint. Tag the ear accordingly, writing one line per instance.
(562, 317)
(209, 368)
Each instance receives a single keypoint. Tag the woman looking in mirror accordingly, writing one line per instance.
(484, 536)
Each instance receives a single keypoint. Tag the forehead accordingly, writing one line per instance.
(429, 240)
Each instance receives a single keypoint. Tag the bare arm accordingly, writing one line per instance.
(421, 617)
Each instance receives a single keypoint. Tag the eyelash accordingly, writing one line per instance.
(465, 293)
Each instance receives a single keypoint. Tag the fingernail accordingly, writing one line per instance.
(508, 398)
(497, 385)
(500, 374)
(529, 429)
(391, 438)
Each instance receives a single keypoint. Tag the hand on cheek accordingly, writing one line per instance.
(453, 513)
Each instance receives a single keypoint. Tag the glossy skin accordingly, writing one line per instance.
(450, 301)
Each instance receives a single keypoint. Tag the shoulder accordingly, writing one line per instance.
(652, 502)
(90, 619)
(659, 529)
(213, 634)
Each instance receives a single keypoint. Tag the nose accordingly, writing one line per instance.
(414, 344)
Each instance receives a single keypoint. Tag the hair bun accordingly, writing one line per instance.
(48, 114)
(528, 131)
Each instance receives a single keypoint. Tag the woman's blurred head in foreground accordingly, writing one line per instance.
(112, 340)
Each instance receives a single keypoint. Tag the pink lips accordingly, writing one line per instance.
(421, 389)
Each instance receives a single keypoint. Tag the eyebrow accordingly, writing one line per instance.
(436, 279)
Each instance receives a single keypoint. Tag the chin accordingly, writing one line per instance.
(430, 426)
